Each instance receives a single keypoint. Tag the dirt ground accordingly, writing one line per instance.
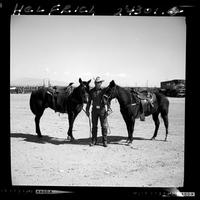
(54, 161)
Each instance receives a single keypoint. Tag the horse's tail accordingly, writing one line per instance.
(36, 102)
(32, 102)
(163, 103)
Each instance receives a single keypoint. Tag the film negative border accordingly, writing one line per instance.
(126, 8)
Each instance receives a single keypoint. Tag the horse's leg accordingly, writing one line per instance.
(37, 108)
(157, 124)
(37, 124)
(128, 126)
(71, 121)
(165, 119)
(124, 115)
(131, 129)
(71, 117)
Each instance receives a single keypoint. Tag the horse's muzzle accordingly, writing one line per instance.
(86, 99)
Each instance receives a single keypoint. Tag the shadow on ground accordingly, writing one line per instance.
(81, 141)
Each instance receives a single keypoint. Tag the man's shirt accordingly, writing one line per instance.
(96, 99)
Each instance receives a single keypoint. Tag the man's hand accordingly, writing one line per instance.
(109, 111)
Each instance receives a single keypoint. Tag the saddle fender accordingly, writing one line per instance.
(147, 104)
(134, 109)
(60, 98)
(51, 98)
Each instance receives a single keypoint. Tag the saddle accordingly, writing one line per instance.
(145, 99)
(62, 89)
(60, 95)
(143, 95)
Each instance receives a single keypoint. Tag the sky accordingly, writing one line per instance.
(133, 51)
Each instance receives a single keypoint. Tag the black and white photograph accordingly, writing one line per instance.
(97, 100)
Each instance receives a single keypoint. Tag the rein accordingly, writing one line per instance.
(112, 93)
(74, 99)
(132, 104)
(90, 135)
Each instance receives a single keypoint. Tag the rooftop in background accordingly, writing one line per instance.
(176, 81)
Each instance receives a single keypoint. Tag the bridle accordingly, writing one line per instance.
(83, 88)
(113, 91)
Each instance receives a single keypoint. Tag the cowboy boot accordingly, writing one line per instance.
(105, 144)
(94, 142)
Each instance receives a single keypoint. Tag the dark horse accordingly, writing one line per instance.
(61, 101)
(131, 107)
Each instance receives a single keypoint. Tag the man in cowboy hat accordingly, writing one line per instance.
(98, 112)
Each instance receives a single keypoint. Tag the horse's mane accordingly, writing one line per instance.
(74, 91)
(132, 97)
(124, 89)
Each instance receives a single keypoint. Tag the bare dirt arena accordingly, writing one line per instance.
(54, 161)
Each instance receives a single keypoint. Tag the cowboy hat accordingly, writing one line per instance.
(98, 80)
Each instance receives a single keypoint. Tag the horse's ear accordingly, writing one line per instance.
(112, 83)
(89, 81)
(80, 81)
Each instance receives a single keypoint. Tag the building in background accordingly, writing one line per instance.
(173, 88)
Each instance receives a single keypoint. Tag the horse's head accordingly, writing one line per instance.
(83, 90)
(110, 92)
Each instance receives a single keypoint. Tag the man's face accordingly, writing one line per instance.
(98, 85)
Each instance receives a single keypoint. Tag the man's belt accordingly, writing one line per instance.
(98, 107)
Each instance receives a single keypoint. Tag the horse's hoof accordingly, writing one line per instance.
(70, 138)
(129, 142)
(39, 136)
(153, 138)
